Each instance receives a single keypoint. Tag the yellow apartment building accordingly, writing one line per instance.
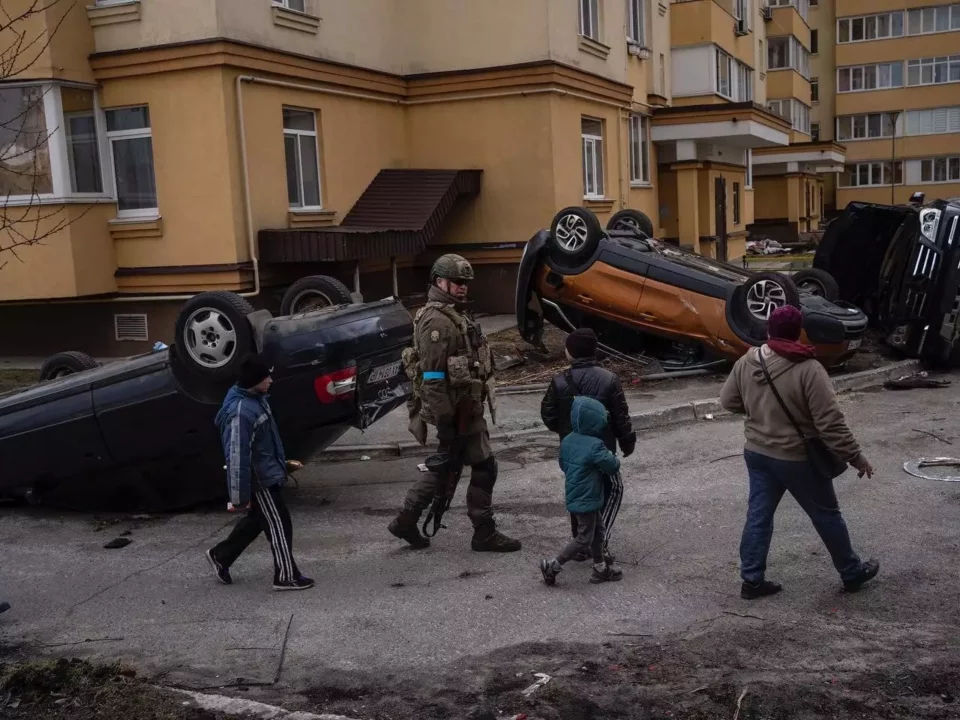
(889, 90)
(158, 148)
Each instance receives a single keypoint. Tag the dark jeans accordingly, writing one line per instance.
(267, 514)
(769, 480)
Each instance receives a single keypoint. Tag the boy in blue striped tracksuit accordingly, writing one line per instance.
(256, 471)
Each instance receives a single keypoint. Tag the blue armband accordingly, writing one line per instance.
(434, 375)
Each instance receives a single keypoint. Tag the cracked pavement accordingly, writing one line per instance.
(379, 606)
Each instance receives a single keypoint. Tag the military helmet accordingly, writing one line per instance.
(451, 267)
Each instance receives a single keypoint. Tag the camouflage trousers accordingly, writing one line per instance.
(478, 455)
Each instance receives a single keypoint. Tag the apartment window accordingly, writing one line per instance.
(25, 166)
(814, 42)
(814, 3)
(724, 85)
(792, 110)
(663, 75)
(924, 21)
(743, 83)
(639, 149)
(762, 59)
(295, 5)
(591, 133)
(870, 27)
(870, 77)
(933, 71)
(741, 11)
(787, 53)
(303, 160)
(871, 174)
(83, 147)
(131, 153)
(814, 89)
(933, 122)
(942, 169)
(749, 168)
(637, 21)
(815, 132)
(868, 126)
(590, 19)
(802, 6)
(736, 203)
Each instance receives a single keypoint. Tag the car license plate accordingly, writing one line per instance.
(384, 372)
(854, 344)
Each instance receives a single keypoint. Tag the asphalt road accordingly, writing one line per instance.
(381, 608)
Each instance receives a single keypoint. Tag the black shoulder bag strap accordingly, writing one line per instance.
(776, 394)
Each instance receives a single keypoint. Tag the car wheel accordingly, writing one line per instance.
(817, 282)
(314, 293)
(213, 333)
(574, 235)
(66, 363)
(631, 220)
(765, 292)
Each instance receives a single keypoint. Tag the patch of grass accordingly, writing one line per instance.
(17, 379)
(78, 690)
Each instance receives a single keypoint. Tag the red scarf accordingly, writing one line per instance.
(792, 349)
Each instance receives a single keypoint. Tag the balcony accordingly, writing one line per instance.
(787, 21)
(698, 22)
(788, 84)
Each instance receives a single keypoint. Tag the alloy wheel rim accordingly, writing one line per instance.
(210, 338)
(764, 297)
(571, 233)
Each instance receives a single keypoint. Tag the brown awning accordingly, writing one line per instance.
(399, 213)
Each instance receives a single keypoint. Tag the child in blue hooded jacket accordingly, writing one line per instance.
(585, 459)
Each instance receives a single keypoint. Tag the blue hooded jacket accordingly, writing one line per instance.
(251, 444)
(584, 458)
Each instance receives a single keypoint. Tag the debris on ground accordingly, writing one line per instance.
(79, 690)
(117, 543)
(542, 679)
(950, 467)
(914, 381)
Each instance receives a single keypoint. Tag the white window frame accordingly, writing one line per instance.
(639, 150)
(131, 135)
(952, 67)
(748, 183)
(792, 110)
(798, 57)
(316, 143)
(590, 19)
(862, 70)
(594, 142)
(814, 132)
(953, 19)
(636, 22)
(60, 175)
(916, 120)
(950, 163)
(723, 60)
(874, 169)
(868, 20)
(285, 4)
(815, 83)
(741, 13)
(846, 127)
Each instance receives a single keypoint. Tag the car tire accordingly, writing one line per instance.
(817, 282)
(762, 294)
(631, 220)
(66, 363)
(313, 293)
(213, 334)
(574, 235)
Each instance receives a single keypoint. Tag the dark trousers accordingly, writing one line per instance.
(612, 498)
(769, 480)
(267, 514)
(589, 538)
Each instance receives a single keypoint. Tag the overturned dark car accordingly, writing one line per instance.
(139, 434)
(901, 265)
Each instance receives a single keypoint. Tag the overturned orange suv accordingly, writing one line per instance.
(641, 294)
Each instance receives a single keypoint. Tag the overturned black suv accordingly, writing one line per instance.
(901, 265)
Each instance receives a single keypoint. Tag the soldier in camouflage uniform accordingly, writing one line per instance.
(452, 370)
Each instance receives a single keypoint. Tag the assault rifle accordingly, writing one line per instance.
(449, 466)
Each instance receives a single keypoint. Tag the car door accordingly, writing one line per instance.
(613, 285)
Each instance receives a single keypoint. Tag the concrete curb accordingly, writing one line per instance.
(688, 412)
(248, 708)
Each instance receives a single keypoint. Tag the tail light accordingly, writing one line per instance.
(338, 385)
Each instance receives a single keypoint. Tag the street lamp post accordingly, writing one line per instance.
(893, 154)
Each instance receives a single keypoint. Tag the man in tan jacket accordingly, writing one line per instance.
(776, 454)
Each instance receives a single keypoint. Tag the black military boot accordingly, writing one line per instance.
(487, 538)
(404, 526)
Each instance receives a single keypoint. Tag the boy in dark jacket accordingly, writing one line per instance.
(585, 377)
(585, 459)
(256, 470)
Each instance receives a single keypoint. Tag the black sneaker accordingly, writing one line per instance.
(4, 606)
(223, 573)
(608, 574)
(550, 572)
(301, 583)
(751, 591)
(867, 572)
